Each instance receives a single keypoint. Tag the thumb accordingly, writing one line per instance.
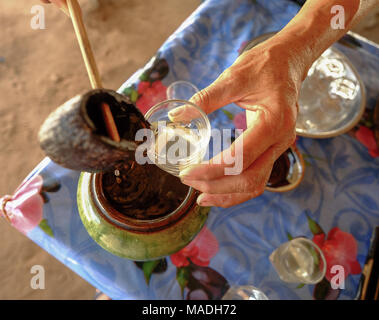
(216, 95)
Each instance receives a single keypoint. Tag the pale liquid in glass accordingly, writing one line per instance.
(175, 144)
(295, 263)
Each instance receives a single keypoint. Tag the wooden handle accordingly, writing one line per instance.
(89, 60)
(110, 125)
(85, 46)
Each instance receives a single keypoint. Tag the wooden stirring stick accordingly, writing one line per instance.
(89, 60)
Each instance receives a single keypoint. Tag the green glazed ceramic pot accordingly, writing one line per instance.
(134, 239)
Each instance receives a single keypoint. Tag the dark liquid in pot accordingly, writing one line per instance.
(282, 169)
(143, 191)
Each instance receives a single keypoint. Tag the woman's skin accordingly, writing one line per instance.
(266, 81)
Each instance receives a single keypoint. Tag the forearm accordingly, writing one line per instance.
(310, 32)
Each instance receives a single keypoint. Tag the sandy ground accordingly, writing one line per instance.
(41, 69)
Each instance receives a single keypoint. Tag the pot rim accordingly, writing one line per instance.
(300, 164)
(122, 221)
(122, 145)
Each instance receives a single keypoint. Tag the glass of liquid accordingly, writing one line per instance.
(181, 134)
(299, 261)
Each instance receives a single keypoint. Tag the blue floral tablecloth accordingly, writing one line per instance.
(336, 204)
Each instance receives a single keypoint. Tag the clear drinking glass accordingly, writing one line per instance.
(181, 132)
(328, 94)
(244, 293)
(182, 90)
(299, 261)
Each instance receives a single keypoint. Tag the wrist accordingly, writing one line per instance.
(310, 32)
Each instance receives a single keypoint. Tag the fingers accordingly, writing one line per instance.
(227, 199)
(184, 113)
(203, 171)
(253, 180)
(222, 91)
(255, 140)
(224, 200)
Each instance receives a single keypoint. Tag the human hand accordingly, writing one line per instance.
(265, 81)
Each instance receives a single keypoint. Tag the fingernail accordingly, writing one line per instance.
(175, 112)
(185, 173)
(195, 99)
(187, 182)
(202, 202)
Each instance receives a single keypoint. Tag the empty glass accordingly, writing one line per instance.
(182, 90)
(244, 293)
(299, 261)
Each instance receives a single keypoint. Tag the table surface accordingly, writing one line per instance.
(339, 190)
